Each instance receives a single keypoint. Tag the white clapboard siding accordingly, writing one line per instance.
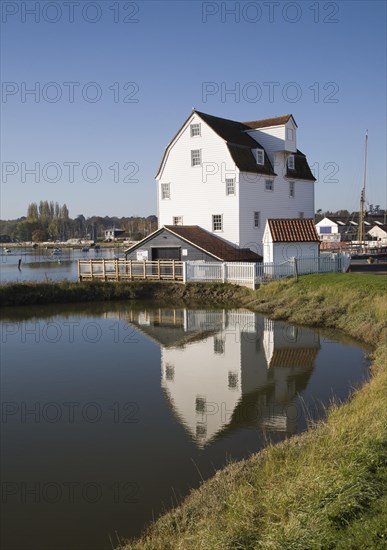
(253, 197)
(198, 192)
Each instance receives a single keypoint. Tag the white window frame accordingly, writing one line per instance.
(230, 186)
(177, 220)
(257, 220)
(217, 220)
(291, 162)
(165, 191)
(269, 185)
(292, 189)
(196, 157)
(260, 156)
(195, 129)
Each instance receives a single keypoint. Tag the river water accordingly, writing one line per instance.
(110, 413)
(44, 265)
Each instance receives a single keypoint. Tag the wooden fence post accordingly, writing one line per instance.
(295, 268)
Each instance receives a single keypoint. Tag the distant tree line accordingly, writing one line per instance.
(51, 221)
(371, 210)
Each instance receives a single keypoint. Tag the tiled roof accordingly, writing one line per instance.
(266, 122)
(301, 168)
(293, 230)
(230, 130)
(294, 358)
(245, 160)
(212, 244)
(239, 143)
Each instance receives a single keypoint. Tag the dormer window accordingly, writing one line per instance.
(260, 156)
(291, 165)
(195, 130)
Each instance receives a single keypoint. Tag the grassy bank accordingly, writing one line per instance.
(323, 489)
(26, 294)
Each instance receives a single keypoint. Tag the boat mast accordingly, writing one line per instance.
(362, 194)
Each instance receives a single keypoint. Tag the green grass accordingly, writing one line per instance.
(24, 294)
(324, 489)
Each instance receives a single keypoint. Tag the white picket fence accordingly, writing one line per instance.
(241, 273)
(253, 274)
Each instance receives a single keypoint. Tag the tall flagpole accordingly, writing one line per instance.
(362, 195)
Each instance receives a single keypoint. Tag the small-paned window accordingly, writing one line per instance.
(196, 157)
(195, 130)
(165, 191)
(217, 222)
(230, 186)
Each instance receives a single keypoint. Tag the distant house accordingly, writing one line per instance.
(347, 227)
(328, 230)
(188, 243)
(229, 177)
(113, 233)
(284, 239)
(378, 233)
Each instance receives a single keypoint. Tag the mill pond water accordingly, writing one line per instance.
(113, 413)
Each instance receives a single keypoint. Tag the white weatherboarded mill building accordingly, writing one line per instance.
(229, 177)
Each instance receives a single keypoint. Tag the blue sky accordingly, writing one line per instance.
(115, 80)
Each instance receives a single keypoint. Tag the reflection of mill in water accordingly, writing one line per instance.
(223, 369)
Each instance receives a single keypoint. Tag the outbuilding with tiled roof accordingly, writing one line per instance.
(290, 238)
(188, 243)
